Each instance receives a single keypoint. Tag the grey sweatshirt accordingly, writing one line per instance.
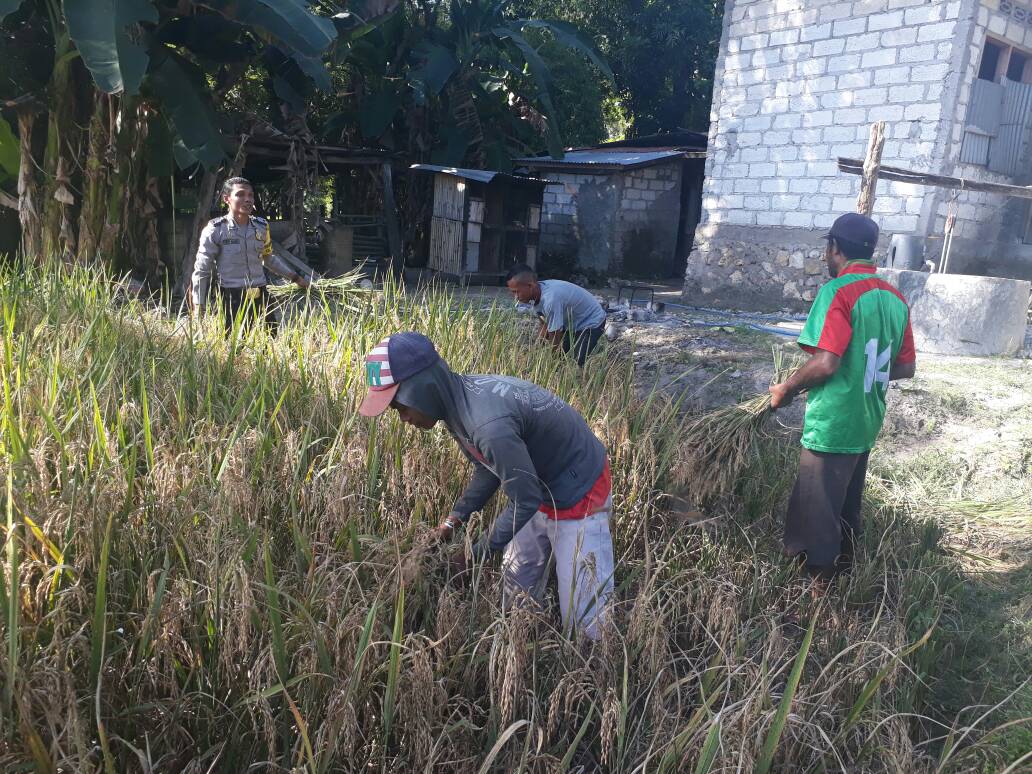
(518, 436)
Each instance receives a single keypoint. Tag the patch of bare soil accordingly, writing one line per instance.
(707, 366)
(962, 428)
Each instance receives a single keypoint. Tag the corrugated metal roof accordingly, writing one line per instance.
(604, 159)
(681, 139)
(480, 175)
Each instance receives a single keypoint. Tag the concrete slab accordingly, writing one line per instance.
(960, 314)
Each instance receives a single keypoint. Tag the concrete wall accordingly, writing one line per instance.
(989, 227)
(617, 223)
(798, 83)
(577, 216)
(646, 228)
(958, 315)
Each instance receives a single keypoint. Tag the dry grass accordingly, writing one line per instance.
(211, 563)
(716, 446)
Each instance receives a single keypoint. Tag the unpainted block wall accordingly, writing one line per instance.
(799, 83)
(646, 228)
(989, 227)
(618, 223)
(577, 216)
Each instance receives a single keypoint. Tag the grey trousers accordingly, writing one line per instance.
(583, 552)
(823, 518)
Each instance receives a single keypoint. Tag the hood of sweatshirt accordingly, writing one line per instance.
(437, 392)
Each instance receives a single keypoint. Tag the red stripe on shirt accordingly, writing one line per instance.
(907, 352)
(838, 322)
(593, 502)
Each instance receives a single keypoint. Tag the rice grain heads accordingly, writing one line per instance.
(211, 563)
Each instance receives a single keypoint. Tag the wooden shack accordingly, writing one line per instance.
(482, 222)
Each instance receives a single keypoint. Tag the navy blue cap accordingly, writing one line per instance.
(856, 228)
(391, 362)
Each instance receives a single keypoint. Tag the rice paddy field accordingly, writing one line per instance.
(212, 563)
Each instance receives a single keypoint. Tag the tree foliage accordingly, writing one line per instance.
(116, 84)
(431, 79)
(662, 53)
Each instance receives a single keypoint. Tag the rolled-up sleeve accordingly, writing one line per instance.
(207, 255)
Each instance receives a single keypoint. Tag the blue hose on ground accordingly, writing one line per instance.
(727, 314)
(753, 326)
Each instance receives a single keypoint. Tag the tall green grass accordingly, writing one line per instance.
(211, 563)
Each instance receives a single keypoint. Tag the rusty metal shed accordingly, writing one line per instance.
(482, 222)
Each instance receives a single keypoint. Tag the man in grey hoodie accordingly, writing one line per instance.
(538, 449)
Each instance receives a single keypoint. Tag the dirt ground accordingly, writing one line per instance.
(956, 443)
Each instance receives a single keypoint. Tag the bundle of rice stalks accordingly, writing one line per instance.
(717, 445)
(350, 286)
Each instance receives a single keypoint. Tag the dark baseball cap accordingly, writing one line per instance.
(391, 362)
(856, 228)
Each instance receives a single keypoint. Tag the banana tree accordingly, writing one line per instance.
(483, 51)
(151, 63)
(439, 78)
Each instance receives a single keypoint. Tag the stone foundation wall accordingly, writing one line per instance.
(742, 267)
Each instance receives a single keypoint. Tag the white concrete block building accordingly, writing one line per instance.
(799, 83)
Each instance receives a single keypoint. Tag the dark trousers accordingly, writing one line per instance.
(823, 518)
(235, 301)
(582, 342)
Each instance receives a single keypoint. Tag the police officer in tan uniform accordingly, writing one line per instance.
(239, 245)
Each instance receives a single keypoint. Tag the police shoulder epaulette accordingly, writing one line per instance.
(258, 219)
(213, 221)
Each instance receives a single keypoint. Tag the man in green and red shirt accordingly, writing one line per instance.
(859, 338)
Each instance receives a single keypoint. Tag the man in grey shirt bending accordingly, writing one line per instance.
(538, 449)
(570, 316)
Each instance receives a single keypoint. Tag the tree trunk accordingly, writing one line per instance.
(122, 241)
(396, 261)
(138, 211)
(205, 195)
(28, 190)
(63, 138)
(150, 264)
(464, 114)
(111, 246)
(297, 163)
(96, 180)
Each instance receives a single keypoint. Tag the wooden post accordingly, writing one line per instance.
(872, 165)
(390, 219)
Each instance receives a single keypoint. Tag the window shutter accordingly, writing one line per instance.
(1007, 148)
(983, 121)
(985, 107)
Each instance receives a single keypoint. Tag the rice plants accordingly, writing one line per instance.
(717, 445)
(211, 563)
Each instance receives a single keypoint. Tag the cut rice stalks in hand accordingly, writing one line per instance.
(717, 445)
(351, 286)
